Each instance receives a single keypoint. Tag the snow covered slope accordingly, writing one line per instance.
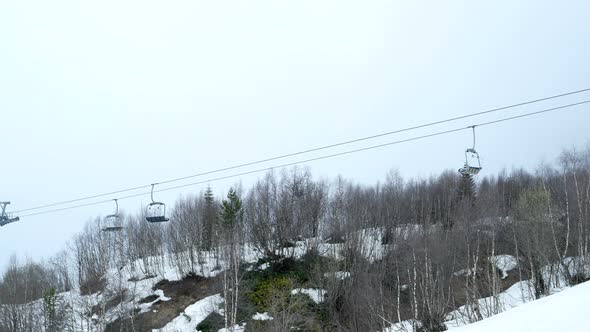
(568, 310)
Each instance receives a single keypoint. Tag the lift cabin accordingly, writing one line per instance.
(472, 162)
(155, 211)
(112, 222)
(6, 218)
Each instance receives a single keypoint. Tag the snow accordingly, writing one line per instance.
(504, 263)
(160, 293)
(262, 267)
(370, 241)
(316, 295)
(518, 295)
(576, 265)
(193, 315)
(145, 307)
(564, 311)
(521, 293)
(405, 231)
(235, 328)
(138, 279)
(262, 316)
(404, 326)
(341, 275)
(464, 272)
(135, 281)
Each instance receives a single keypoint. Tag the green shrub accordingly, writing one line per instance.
(270, 290)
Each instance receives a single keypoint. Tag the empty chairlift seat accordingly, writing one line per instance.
(472, 163)
(112, 222)
(155, 211)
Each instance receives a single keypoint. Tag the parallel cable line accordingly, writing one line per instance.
(308, 150)
(372, 147)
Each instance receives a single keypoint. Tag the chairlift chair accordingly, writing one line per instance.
(113, 221)
(469, 168)
(5, 217)
(472, 162)
(155, 211)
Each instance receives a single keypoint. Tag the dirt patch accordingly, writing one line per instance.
(149, 276)
(182, 293)
(111, 303)
(512, 278)
(92, 285)
(149, 299)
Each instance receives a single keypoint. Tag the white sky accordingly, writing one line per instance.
(98, 96)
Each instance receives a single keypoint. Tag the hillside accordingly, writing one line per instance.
(563, 311)
(422, 255)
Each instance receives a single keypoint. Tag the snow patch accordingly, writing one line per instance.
(464, 273)
(235, 328)
(262, 316)
(161, 296)
(317, 295)
(337, 275)
(504, 263)
(193, 315)
(145, 307)
(521, 294)
(565, 311)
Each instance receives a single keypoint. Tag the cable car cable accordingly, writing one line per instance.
(309, 150)
(372, 147)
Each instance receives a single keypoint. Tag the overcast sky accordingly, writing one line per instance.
(104, 95)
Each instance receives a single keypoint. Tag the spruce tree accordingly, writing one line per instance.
(231, 221)
(231, 211)
(465, 197)
(466, 189)
(49, 306)
(209, 220)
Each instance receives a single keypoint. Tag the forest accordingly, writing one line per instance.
(401, 250)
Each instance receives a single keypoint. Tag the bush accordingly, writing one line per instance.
(269, 290)
(92, 285)
(432, 324)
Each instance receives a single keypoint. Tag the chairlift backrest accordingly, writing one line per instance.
(474, 156)
(113, 221)
(156, 212)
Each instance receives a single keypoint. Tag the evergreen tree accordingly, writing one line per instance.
(231, 219)
(49, 306)
(464, 200)
(209, 220)
(466, 189)
(231, 211)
